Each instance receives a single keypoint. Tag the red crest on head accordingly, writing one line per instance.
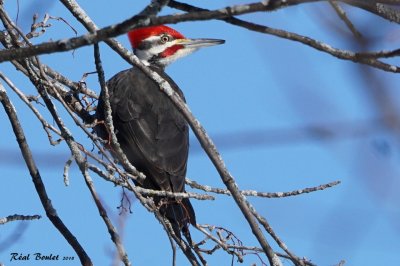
(136, 36)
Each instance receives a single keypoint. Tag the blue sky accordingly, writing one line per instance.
(240, 92)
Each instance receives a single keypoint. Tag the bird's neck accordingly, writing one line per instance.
(157, 68)
(160, 70)
(150, 60)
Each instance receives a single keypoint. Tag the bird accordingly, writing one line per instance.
(151, 132)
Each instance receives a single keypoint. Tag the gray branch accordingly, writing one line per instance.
(18, 217)
(368, 58)
(197, 14)
(37, 179)
(255, 193)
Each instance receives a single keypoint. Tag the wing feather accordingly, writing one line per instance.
(151, 132)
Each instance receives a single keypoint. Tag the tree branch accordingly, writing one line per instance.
(343, 16)
(18, 217)
(37, 180)
(142, 19)
(255, 193)
(357, 57)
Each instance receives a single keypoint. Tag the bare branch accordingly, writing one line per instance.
(8, 39)
(66, 170)
(318, 45)
(142, 19)
(148, 192)
(223, 245)
(103, 213)
(258, 250)
(43, 25)
(342, 15)
(271, 232)
(46, 126)
(18, 217)
(379, 8)
(255, 193)
(37, 180)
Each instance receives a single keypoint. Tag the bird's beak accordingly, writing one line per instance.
(198, 43)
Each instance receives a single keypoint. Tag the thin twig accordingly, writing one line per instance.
(37, 180)
(259, 250)
(342, 15)
(256, 193)
(66, 170)
(146, 191)
(103, 213)
(223, 245)
(271, 232)
(12, 40)
(198, 14)
(358, 57)
(46, 126)
(18, 217)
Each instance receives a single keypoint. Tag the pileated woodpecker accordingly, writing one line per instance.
(151, 131)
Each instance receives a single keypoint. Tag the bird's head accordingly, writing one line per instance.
(162, 45)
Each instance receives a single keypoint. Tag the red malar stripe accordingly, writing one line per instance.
(170, 51)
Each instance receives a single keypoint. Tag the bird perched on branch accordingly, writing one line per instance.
(150, 130)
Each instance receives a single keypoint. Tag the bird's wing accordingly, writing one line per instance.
(152, 133)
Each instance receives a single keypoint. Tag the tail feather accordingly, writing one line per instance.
(180, 214)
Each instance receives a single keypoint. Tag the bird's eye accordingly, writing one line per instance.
(164, 38)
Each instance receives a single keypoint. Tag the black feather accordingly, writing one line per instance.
(154, 136)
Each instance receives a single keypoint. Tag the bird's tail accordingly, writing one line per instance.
(180, 214)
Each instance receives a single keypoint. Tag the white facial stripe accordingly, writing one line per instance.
(152, 38)
(157, 48)
(180, 53)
